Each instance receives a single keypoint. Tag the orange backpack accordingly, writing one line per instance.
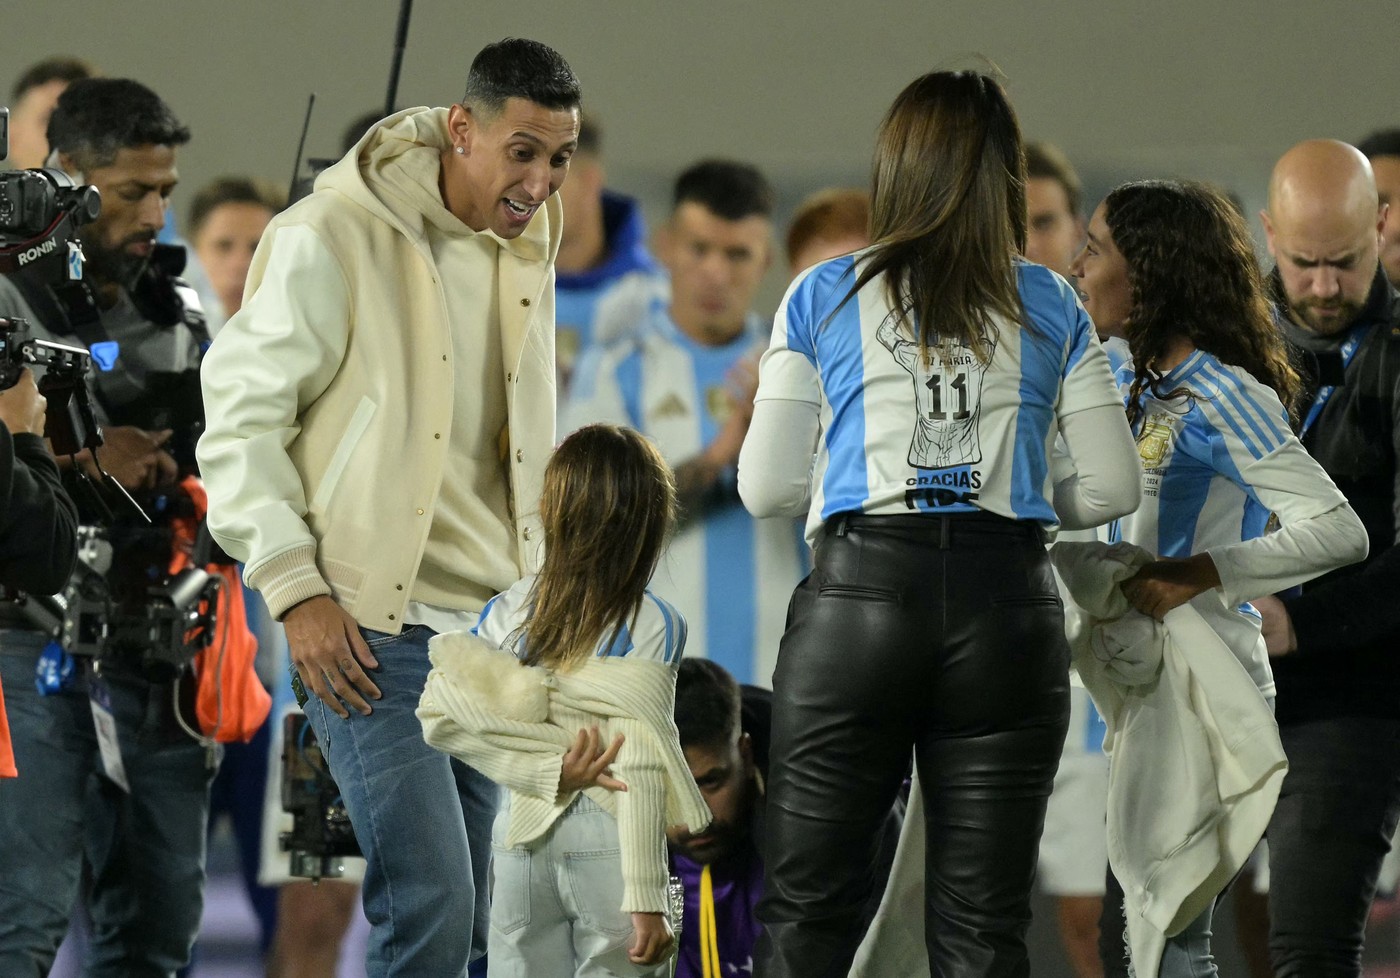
(230, 701)
(7, 753)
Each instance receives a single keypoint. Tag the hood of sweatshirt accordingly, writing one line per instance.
(393, 172)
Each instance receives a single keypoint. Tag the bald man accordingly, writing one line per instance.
(1336, 643)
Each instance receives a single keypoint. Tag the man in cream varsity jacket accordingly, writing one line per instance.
(381, 410)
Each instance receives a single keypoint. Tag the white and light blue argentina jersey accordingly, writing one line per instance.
(730, 574)
(1218, 461)
(904, 430)
(657, 632)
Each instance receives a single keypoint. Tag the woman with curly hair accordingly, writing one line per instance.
(1231, 501)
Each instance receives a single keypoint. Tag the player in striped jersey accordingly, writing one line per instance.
(1231, 501)
(602, 254)
(930, 374)
(686, 380)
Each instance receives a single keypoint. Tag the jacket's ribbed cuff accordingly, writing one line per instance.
(288, 579)
(644, 874)
(539, 777)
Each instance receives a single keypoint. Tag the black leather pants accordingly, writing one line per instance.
(941, 634)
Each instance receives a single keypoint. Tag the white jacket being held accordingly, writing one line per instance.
(514, 723)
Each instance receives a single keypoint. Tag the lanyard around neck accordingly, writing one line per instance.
(709, 932)
(1324, 394)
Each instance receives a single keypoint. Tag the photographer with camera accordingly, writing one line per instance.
(38, 522)
(111, 774)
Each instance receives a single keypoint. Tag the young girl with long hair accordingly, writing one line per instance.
(558, 665)
(1231, 499)
(930, 375)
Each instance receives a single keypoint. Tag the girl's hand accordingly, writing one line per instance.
(652, 939)
(586, 764)
(1169, 583)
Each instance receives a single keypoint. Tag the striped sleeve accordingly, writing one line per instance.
(1252, 445)
(658, 633)
(1249, 421)
(788, 370)
(1058, 317)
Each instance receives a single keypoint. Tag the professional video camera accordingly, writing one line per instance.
(321, 834)
(70, 424)
(40, 212)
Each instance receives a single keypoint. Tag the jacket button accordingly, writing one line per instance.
(420, 512)
(524, 302)
(391, 617)
(527, 533)
(519, 455)
(437, 434)
(398, 587)
(444, 358)
(507, 376)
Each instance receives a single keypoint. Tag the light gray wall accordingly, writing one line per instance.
(1204, 88)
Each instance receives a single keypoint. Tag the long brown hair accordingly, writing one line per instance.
(948, 210)
(1193, 275)
(608, 504)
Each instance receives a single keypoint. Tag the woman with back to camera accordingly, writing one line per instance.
(930, 374)
(1209, 390)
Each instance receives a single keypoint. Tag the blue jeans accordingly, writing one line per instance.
(556, 901)
(1185, 955)
(422, 818)
(146, 849)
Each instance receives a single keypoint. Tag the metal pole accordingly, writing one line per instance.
(400, 42)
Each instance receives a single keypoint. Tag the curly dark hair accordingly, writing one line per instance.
(1193, 274)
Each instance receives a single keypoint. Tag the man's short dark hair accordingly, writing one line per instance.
(726, 189)
(60, 68)
(233, 190)
(520, 68)
(1048, 163)
(707, 704)
(95, 117)
(1382, 142)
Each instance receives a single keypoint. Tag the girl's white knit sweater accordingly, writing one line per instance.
(514, 723)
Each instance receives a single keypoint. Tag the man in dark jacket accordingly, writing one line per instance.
(38, 522)
(1335, 643)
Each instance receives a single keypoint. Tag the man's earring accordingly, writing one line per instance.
(461, 151)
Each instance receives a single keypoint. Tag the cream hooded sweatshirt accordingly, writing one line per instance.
(331, 395)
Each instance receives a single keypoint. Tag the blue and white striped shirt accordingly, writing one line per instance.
(1218, 460)
(908, 431)
(658, 631)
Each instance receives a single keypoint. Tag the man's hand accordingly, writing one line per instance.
(328, 651)
(652, 938)
(586, 764)
(741, 383)
(1165, 584)
(695, 477)
(1279, 637)
(134, 457)
(22, 407)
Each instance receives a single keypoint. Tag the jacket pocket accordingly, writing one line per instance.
(354, 431)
